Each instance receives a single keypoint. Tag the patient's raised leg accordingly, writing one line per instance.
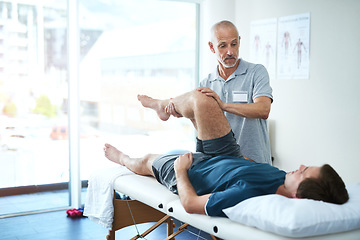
(204, 112)
(157, 105)
(141, 166)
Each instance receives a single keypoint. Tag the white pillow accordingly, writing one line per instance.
(298, 217)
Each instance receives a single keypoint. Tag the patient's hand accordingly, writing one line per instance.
(183, 162)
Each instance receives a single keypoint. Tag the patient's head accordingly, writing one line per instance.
(327, 187)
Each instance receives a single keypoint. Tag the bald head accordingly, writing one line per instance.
(222, 25)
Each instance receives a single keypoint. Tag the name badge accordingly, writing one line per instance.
(240, 96)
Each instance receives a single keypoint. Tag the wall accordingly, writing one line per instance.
(212, 11)
(316, 120)
(313, 121)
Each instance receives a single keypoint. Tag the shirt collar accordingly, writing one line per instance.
(241, 69)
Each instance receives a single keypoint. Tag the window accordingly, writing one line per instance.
(33, 141)
(129, 48)
(126, 48)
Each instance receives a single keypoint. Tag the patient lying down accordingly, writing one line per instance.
(218, 177)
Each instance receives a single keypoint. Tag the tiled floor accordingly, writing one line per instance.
(57, 226)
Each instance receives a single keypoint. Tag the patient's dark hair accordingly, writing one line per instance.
(329, 187)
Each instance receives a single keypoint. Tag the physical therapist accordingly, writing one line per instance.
(243, 92)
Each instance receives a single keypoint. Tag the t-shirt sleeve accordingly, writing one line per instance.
(262, 83)
(228, 198)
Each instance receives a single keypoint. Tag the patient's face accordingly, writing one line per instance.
(294, 178)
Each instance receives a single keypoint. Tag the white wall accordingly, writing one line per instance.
(316, 120)
(212, 11)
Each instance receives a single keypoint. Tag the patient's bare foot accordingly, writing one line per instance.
(155, 104)
(114, 155)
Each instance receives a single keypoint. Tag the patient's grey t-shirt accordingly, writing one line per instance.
(248, 82)
(232, 180)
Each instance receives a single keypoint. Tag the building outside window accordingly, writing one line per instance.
(126, 48)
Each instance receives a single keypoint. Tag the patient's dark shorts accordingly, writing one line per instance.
(163, 166)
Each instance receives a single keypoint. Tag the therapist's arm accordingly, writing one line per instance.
(260, 108)
(191, 202)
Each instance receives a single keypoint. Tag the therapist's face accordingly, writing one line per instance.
(294, 178)
(225, 45)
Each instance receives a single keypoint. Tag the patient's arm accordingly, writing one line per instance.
(191, 202)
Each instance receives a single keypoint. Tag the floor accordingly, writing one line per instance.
(57, 226)
(35, 202)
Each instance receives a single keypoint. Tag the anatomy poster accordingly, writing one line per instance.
(263, 44)
(293, 47)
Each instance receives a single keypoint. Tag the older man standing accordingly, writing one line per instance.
(243, 92)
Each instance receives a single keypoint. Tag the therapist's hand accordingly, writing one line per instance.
(210, 93)
(170, 109)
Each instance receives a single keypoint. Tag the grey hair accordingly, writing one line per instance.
(221, 24)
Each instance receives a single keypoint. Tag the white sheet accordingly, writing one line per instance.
(99, 199)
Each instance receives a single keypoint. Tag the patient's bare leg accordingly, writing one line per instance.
(155, 104)
(114, 155)
(203, 111)
(141, 166)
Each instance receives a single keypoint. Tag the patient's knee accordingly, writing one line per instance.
(203, 102)
(146, 159)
